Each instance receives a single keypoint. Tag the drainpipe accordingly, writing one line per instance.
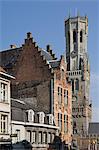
(52, 96)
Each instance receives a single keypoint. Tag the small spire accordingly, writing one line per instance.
(78, 13)
(69, 14)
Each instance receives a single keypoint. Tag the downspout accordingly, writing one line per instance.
(52, 96)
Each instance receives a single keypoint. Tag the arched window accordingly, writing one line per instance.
(81, 36)
(50, 119)
(74, 36)
(72, 85)
(41, 117)
(77, 84)
(30, 115)
(69, 40)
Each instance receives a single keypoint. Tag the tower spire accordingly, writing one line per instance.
(69, 14)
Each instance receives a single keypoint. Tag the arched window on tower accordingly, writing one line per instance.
(72, 85)
(81, 63)
(69, 40)
(81, 36)
(74, 36)
(77, 85)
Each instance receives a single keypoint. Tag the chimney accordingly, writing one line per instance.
(48, 47)
(12, 46)
(29, 35)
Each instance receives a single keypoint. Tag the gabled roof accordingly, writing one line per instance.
(2, 70)
(93, 128)
(9, 57)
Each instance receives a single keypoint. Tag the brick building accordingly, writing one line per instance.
(40, 81)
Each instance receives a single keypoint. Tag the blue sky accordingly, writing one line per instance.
(45, 19)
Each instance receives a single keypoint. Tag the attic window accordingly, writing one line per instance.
(50, 119)
(30, 115)
(41, 117)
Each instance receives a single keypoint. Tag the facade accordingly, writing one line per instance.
(62, 99)
(78, 72)
(5, 112)
(37, 128)
(41, 82)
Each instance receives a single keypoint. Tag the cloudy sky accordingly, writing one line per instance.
(45, 19)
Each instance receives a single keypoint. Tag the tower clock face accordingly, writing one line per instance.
(73, 54)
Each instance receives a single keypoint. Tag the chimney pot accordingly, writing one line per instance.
(29, 35)
(12, 46)
(48, 48)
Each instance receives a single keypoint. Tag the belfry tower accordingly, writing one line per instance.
(78, 72)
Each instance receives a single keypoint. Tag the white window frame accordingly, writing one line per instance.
(28, 136)
(33, 136)
(40, 137)
(30, 115)
(41, 117)
(50, 119)
(49, 138)
(4, 123)
(3, 92)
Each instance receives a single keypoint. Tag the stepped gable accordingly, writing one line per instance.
(10, 56)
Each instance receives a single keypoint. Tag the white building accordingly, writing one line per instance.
(31, 128)
(5, 119)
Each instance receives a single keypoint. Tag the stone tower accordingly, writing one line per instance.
(78, 71)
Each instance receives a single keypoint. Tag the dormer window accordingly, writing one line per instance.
(30, 115)
(50, 119)
(41, 116)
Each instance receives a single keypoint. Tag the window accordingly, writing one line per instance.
(18, 134)
(49, 138)
(65, 97)
(59, 95)
(65, 123)
(62, 73)
(4, 124)
(51, 118)
(44, 138)
(53, 136)
(74, 36)
(41, 117)
(77, 84)
(4, 92)
(33, 136)
(40, 138)
(28, 136)
(30, 115)
(60, 120)
(69, 40)
(81, 36)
